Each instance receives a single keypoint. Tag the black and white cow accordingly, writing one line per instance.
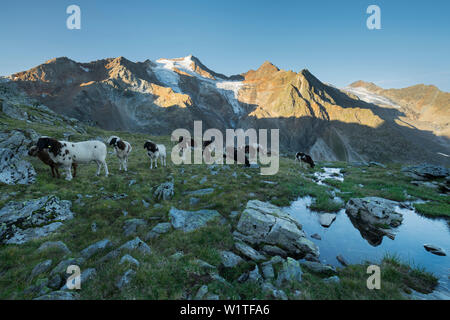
(303, 158)
(65, 153)
(122, 149)
(155, 151)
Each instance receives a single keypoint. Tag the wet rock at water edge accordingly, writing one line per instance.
(125, 279)
(265, 223)
(342, 260)
(435, 250)
(326, 219)
(54, 245)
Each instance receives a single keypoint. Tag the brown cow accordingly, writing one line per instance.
(45, 158)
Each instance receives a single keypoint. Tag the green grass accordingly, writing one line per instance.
(396, 279)
(161, 277)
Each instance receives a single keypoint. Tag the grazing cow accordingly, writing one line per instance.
(186, 143)
(155, 151)
(122, 149)
(232, 153)
(255, 147)
(65, 153)
(45, 158)
(304, 158)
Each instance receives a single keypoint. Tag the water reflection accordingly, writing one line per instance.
(358, 244)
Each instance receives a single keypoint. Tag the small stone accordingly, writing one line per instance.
(95, 248)
(333, 279)
(342, 260)
(249, 252)
(158, 230)
(326, 219)
(290, 272)
(254, 275)
(58, 295)
(129, 259)
(201, 292)
(279, 294)
(131, 226)
(125, 279)
(41, 268)
(229, 259)
(55, 282)
(177, 255)
(316, 236)
(193, 201)
(434, 250)
(268, 272)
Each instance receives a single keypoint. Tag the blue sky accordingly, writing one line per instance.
(330, 38)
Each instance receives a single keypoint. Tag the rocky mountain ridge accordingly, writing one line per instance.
(159, 96)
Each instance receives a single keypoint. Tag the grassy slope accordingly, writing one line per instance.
(159, 276)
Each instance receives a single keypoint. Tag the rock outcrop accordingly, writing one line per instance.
(188, 221)
(374, 217)
(21, 222)
(13, 147)
(262, 223)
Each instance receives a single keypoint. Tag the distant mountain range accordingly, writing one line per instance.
(356, 123)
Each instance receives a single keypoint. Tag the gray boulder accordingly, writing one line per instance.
(374, 217)
(265, 223)
(375, 210)
(188, 221)
(14, 170)
(14, 146)
(21, 222)
(427, 171)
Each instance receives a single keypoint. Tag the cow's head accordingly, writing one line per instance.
(50, 144)
(150, 146)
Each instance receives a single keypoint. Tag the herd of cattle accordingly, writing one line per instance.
(68, 155)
